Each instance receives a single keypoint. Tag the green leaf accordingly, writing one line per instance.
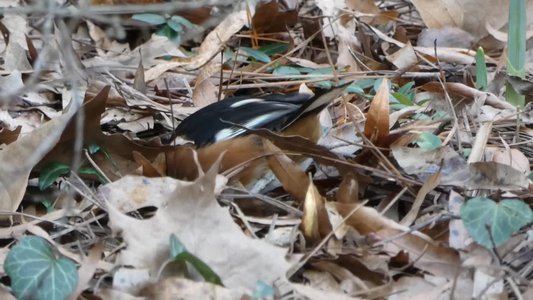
(48, 204)
(516, 38)
(286, 70)
(513, 97)
(182, 255)
(152, 19)
(36, 272)
(530, 176)
(484, 218)
(94, 148)
(366, 83)
(467, 152)
(272, 49)
(92, 171)
(181, 20)
(256, 54)
(51, 172)
(516, 49)
(428, 141)
(176, 246)
(354, 88)
(177, 27)
(169, 33)
(402, 98)
(481, 70)
(407, 89)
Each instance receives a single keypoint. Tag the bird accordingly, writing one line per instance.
(223, 127)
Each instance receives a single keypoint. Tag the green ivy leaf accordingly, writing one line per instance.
(36, 272)
(256, 54)
(286, 70)
(484, 218)
(51, 172)
(428, 141)
(152, 19)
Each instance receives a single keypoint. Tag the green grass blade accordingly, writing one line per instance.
(481, 70)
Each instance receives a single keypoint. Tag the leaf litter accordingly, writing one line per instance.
(421, 184)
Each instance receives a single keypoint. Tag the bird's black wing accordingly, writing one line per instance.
(213, 123)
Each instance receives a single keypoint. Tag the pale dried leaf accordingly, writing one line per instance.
(181, 288)
(404, 58)
(20, 157)
(190, 211)
(438, 14)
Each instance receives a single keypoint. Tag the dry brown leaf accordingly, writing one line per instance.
(511, 157)
(103, 45)
(205, 92)
(289, 174)
(423, 251)
(87, 269)
(458, 237)
(190, 211)
(148, 169)
(456, 172)
(118, 146)
(416, 288)
(116, 295)
(184, 289)
(5, 293)
(463, 90)
(350, 283)
(363, 6)
(8, 136)
(429, 185)
(217, 38)
(448, 37)
(19, 158)
(404, 58)
(313, 204)
(377, 119)
(270, 17)
(437, 14)
(312, 292)
(348, 189)
(138, 80)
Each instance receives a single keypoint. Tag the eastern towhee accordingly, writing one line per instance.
(223, 127)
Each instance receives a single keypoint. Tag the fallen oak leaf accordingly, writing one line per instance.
(20, 157)
(190, 211)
